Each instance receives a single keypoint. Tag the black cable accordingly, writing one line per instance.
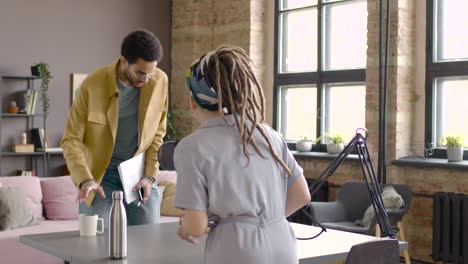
(314, 223)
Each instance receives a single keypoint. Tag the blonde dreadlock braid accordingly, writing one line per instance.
(239, 91)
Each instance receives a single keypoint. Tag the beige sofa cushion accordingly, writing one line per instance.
(14, 209)
(167, 204)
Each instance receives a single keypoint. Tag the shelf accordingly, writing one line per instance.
(321, 155)
(19, 115)
(22, 153)
(34, 158)
(20, 77)
(431, 163)
(55, 152)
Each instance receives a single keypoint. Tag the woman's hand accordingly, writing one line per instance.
(88, 187)
(184, 236)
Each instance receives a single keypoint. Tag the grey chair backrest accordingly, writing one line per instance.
(406, 193)
(166, 155)
(356, 199)
(375, 252)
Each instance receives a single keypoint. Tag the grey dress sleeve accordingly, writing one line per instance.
(288, 158)
(191, 187)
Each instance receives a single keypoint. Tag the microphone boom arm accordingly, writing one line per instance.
(359, 142)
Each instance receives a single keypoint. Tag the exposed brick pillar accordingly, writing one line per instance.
(401, 77)
(199, 26)
(262, 48)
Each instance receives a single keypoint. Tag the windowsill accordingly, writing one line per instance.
(431, 163)
(320, 155)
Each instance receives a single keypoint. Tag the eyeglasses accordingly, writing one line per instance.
(141, 76)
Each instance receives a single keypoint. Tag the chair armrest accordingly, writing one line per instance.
(328, 212)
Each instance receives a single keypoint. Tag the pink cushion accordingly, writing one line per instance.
(59, 198)
(167, 176)
(31, 187)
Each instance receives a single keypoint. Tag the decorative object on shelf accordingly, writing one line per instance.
(38, 138)
(42, 70)
(41, 141)
(304, 144)
(13, 107)
(26, 101)
(24, 138)
(76, 80)
(454, 146)
(35, 70)
(54, 149)
(25, 173)
(22, 98)
(23, 148)
(335, 143)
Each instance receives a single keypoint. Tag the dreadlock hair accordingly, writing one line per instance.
(230, 72)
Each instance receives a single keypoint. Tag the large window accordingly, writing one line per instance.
(319, 67)
(446, 72)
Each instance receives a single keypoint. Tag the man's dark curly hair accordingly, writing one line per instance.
(141, 44)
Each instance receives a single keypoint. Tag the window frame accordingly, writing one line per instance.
(434, 70)
(319, 78)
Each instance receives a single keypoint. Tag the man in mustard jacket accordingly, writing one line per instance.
(120, 112)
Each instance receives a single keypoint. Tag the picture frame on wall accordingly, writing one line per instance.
(76, 80)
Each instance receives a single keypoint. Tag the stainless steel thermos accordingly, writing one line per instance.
(117, 227)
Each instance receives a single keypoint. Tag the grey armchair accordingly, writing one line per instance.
(352, 202)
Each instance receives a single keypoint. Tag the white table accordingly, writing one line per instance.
(330, 246)
(159, 243)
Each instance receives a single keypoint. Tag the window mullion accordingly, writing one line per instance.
(319, 68)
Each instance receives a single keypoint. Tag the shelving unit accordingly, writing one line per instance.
(29, 125)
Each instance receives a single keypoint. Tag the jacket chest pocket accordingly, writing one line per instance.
(97, 118)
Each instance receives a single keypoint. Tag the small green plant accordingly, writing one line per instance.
(42, 69)
(171, 130)
(304, 138)
(451, 141)
(279, 133)
(332, 138)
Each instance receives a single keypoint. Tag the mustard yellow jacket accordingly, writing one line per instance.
(89, 136)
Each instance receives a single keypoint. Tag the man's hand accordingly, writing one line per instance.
(146, 184)
(88, 187)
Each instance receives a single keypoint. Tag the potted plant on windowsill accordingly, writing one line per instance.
(304, 145)
(335, 143)
(454, 146)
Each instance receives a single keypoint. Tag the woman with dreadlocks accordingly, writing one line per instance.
(237, 179)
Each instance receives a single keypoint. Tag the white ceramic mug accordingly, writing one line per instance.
(88, 225)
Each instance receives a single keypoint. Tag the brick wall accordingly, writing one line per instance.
(199, 26)
(202, 25)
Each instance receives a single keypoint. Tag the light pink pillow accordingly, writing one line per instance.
(59, 198)
(31, 187)
(167, 176)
